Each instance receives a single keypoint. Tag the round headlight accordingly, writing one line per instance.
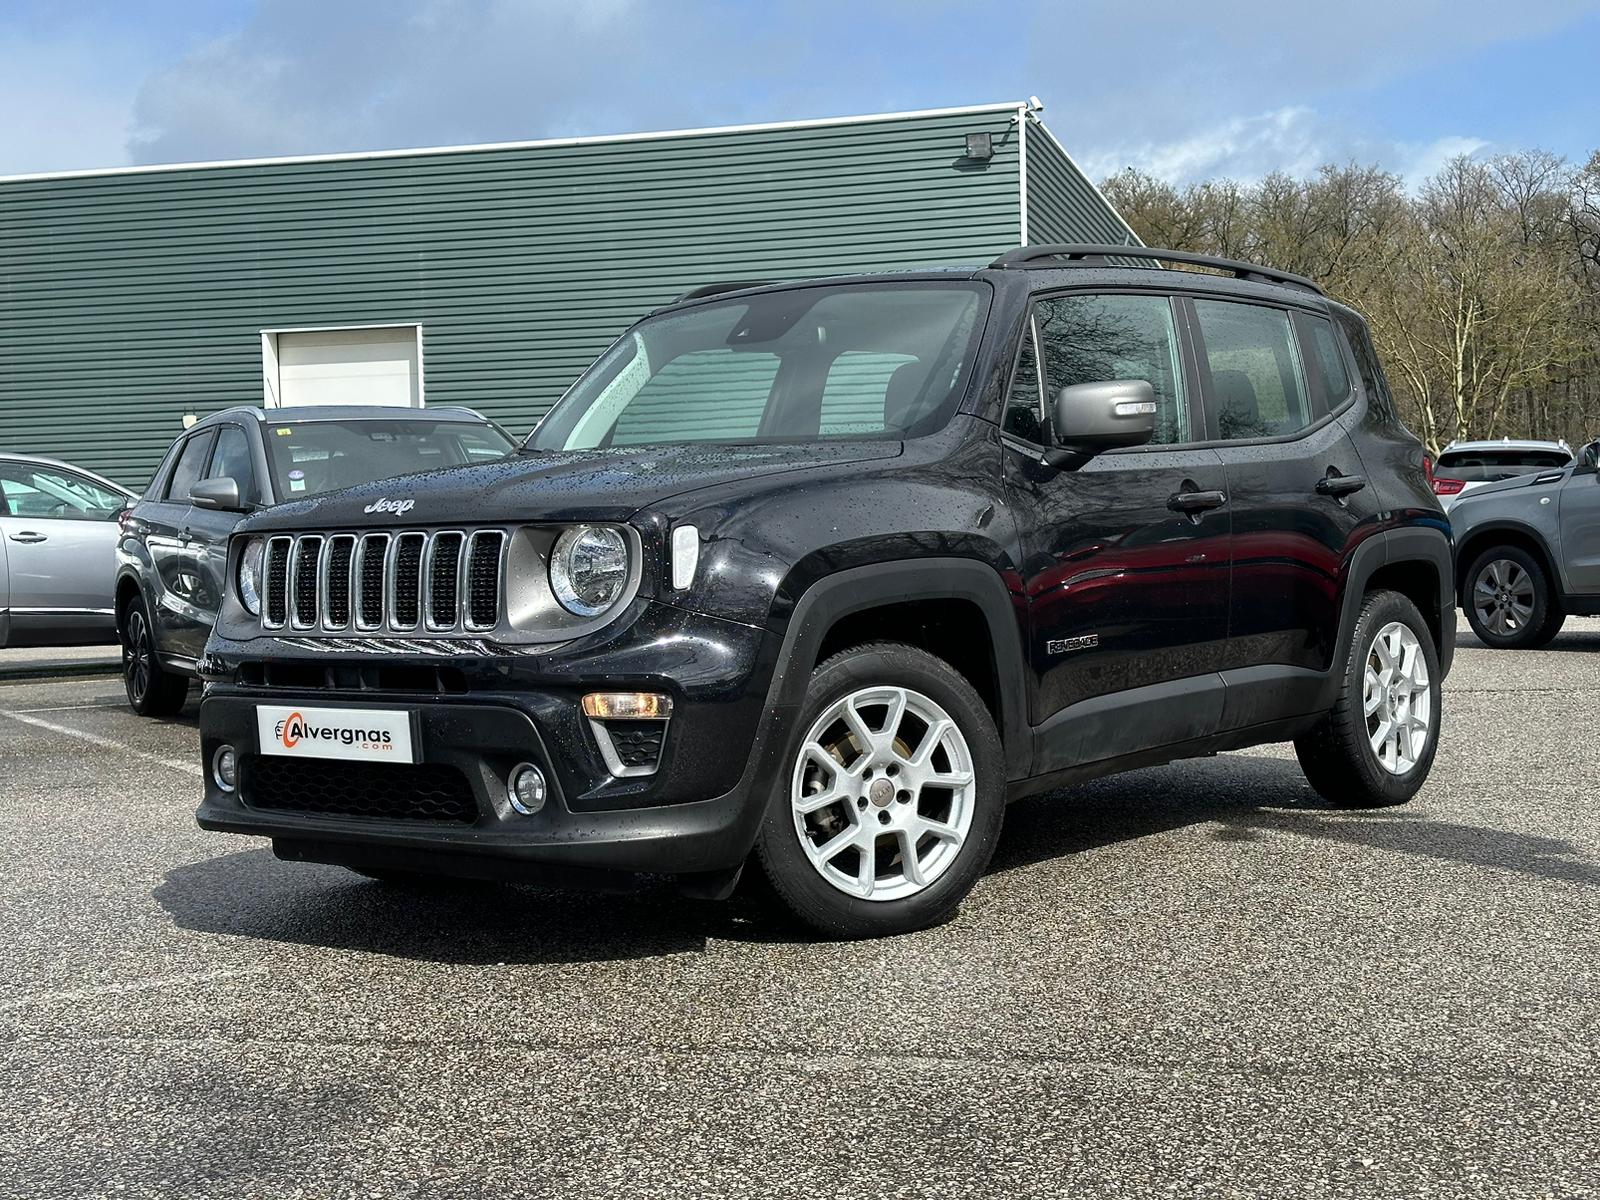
(589, 569)
(250, 575)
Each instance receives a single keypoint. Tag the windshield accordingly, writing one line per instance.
(308, 457)
(871, 361)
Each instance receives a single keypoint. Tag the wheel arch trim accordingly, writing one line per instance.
(1426, 545)
(854, 590)
(1483, 536)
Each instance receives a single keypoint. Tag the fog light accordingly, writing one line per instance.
(526, 789)
(225, 768)
(627, 706)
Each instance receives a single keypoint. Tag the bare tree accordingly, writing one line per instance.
(1483, 288)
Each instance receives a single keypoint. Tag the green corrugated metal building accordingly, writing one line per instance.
(486, 275)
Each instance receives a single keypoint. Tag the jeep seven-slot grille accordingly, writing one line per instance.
(341, 549)
(444, 570)
(407, 580)
(483, 578)
(402, 582)
(278, 581)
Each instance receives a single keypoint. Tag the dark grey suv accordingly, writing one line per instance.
(1528, 553)
(174, 541)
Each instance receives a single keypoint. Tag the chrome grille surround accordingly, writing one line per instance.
(386, 581)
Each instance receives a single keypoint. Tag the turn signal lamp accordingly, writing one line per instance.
(627, 706)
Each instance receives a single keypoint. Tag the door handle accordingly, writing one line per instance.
(29, 538)
(1196, 502)
(1339, 486)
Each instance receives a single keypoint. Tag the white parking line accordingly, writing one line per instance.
(65, 707)
(94, 739)
(137, 985)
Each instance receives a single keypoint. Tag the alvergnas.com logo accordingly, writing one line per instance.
(294, 729)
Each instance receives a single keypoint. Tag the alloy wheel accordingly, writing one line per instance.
(136, 661)
(1502, 597)
(1397, 698)
(883, 793)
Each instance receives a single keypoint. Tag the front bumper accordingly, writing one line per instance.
(697, 813)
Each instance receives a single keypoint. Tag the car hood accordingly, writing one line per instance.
(1482, 491)
(596, 485)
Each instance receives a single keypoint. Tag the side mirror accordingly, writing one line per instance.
(220, 494)
(1091, 417)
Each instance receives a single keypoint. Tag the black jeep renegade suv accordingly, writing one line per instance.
(825, 573)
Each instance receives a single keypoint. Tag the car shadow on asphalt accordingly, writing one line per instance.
(251, 894)
(1248, 798)
(1580, 641)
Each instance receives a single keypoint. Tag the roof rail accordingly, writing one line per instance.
(716, 289)
(1082, 253)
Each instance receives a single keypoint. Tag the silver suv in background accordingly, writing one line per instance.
(174, 543)
(1466, 466)
(1528, 552)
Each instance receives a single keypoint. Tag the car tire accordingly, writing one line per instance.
(911, 827)
(1508, 600)
(1355, 757)
(153, 691)
(1554, 618)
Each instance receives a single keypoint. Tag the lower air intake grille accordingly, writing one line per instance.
(637, 743)
(380, 791)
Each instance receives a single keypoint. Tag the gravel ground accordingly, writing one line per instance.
(1188, 981)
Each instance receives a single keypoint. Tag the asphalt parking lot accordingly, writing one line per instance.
(1193, 980)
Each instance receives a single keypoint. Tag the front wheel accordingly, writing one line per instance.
(1376, 746)
(892, 799)
(153, 691)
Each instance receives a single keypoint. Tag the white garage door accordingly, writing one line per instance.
(350, 366)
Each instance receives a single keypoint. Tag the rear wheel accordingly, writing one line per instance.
(153, 691)
(1376, 746)
(892, 800)
(1509, 600)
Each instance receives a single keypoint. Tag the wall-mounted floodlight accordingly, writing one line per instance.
(980, 146)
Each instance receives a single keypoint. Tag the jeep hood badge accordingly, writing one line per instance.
(384, 505)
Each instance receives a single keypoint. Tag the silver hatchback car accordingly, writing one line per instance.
(58, 542)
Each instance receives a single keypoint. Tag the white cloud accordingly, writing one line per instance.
(1295, 140)
(1287, 139)
(1415, 164)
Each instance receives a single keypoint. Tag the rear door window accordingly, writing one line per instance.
(1257, 382)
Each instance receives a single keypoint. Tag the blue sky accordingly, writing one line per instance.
(1187, 89)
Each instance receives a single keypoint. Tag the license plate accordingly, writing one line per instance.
(363, 734)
